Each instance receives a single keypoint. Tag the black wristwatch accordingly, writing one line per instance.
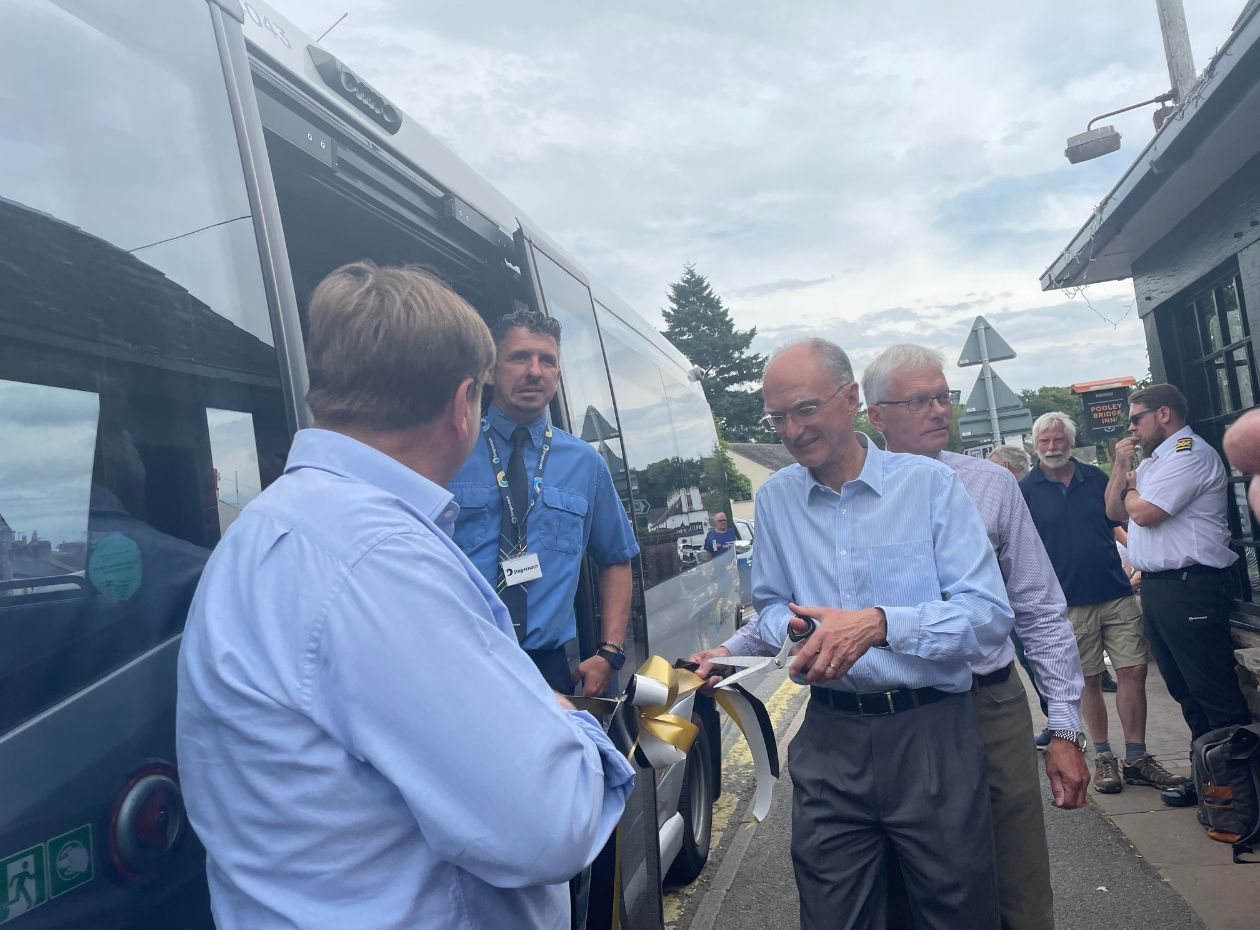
(613, 654)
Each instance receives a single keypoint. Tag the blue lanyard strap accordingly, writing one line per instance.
(500, 475)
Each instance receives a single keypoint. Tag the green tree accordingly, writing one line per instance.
(1046, 399)
(700, 327)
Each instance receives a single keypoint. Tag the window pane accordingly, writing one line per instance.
(135, 340)
(1240, 365)
(1209, 323)
(1218, 385)
(1251, 570)
(1233, 311)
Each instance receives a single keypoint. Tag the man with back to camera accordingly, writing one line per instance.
(888, 760)
(1242, 448)
(1179, 540)
(908, 400)
(1013, 459)
(349, 685)
(721, 537)
(1066, 499)
(533, 499)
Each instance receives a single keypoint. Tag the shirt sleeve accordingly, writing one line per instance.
(973, 617)
(612, 537)
(769, 569)
(1040, 613)
(413, 679)
(747, 640)
(1180, 480)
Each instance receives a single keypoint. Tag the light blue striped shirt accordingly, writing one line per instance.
(361, 741)
(903, 536)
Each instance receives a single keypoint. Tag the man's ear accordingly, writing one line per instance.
(875, 413)
(467, 397)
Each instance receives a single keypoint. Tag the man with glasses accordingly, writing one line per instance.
(893, 556)
(1066, 499)
(1175, 505)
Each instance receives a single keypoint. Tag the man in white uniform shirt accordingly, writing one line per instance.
(1179, 540)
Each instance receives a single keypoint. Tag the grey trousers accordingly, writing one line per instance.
(913, 781)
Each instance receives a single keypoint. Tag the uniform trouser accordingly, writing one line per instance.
(1025, 899)
(914, 781)
(1187, 624)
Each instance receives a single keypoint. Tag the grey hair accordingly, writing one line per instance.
(1013, 457)
(1052, 419)
(892, 360)
(833, 358)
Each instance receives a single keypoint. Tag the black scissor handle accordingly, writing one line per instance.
(809, 630)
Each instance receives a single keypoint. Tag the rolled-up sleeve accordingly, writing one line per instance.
(972, 617)
(612, 537)
(410, 678)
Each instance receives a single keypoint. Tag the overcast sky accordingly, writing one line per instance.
(868, 171)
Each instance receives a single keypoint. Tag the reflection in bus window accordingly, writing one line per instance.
(48, 435)
(234, 452)
(671, 450)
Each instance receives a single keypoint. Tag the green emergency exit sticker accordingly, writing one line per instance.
(69, 860)
(25, 883)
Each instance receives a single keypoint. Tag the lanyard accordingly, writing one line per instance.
(501, 476)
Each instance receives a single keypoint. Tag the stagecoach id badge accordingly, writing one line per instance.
(520, 569)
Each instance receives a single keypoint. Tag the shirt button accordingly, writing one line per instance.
(844, 510)
(848, 597)
(844, 551)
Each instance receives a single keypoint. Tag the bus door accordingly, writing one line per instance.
(585, 408)
(140, 407)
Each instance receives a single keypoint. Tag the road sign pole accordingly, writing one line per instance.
(986, 372)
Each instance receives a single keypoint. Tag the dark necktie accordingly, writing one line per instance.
(512, 536)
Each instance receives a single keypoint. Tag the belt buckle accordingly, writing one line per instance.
(888, 696)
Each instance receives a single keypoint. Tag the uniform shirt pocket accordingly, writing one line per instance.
(904, 574)
(561, 515)
(472, 526)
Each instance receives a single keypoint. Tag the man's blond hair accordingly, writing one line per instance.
(386, 347)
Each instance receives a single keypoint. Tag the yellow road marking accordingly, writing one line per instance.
(736, 763)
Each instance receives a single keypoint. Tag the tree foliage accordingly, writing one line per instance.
(1048, 398)
(701, 328)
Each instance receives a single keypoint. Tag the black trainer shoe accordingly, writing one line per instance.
(1108, 683)
(1180, 795)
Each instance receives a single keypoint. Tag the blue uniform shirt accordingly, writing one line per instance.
(361, 742)
(718, 542)
(903, 536)
(578, 511)
(1077, 534)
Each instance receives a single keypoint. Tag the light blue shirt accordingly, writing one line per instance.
(903, 536)
(361, 742)
(578, 511)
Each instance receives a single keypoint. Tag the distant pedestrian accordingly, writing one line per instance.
(721, 537)
(1175, 504)
(1013, 459)
(1066, 498)
(360, 740)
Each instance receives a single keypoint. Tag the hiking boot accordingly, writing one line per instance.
(1107, 774)
(1042, 739)
(1146, 771)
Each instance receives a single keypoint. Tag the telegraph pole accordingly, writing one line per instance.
(1172, 24)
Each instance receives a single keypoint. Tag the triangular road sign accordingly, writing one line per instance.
(1003, 396)
(997, 346)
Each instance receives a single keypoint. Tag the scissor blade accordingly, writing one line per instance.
(740, 675)
(740, 661)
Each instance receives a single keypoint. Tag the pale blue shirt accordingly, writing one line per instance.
(903, 536)
(361, 741)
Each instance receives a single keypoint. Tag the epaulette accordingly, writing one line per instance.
(1185, 444)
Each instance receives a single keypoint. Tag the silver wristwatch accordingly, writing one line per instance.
(1075, 737)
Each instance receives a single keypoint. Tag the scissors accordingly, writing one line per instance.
(750, 665)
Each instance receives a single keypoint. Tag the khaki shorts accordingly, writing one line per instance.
(1115, 626)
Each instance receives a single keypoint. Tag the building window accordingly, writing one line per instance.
(1221, 381)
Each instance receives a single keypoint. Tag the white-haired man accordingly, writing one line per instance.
(908, 401)
(891, 549)
(1012, 458)
(1067, 501)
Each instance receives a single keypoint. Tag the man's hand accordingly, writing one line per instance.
(1068, 774)
(842, 637)
(712, 674)
(1124, 454)
(596, 675)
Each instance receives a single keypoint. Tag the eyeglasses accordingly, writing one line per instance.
(801, 412)
(1136, 418)
(920, 403)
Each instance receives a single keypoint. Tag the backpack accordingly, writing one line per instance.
(1226, 766)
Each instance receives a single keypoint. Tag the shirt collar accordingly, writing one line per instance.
(1039, 474)
(339, 454)
(1167, 445)
(872, 474)
(505, 425)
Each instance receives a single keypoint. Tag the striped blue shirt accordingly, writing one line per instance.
(903, 536)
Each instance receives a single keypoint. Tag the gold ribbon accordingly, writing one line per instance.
(664, 737)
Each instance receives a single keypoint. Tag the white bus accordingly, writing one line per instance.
(177, 176)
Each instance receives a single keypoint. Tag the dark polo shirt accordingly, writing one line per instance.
(1073, 524)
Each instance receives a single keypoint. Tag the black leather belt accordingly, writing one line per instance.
(993, 678)
(1180, 574)
(877, 703)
